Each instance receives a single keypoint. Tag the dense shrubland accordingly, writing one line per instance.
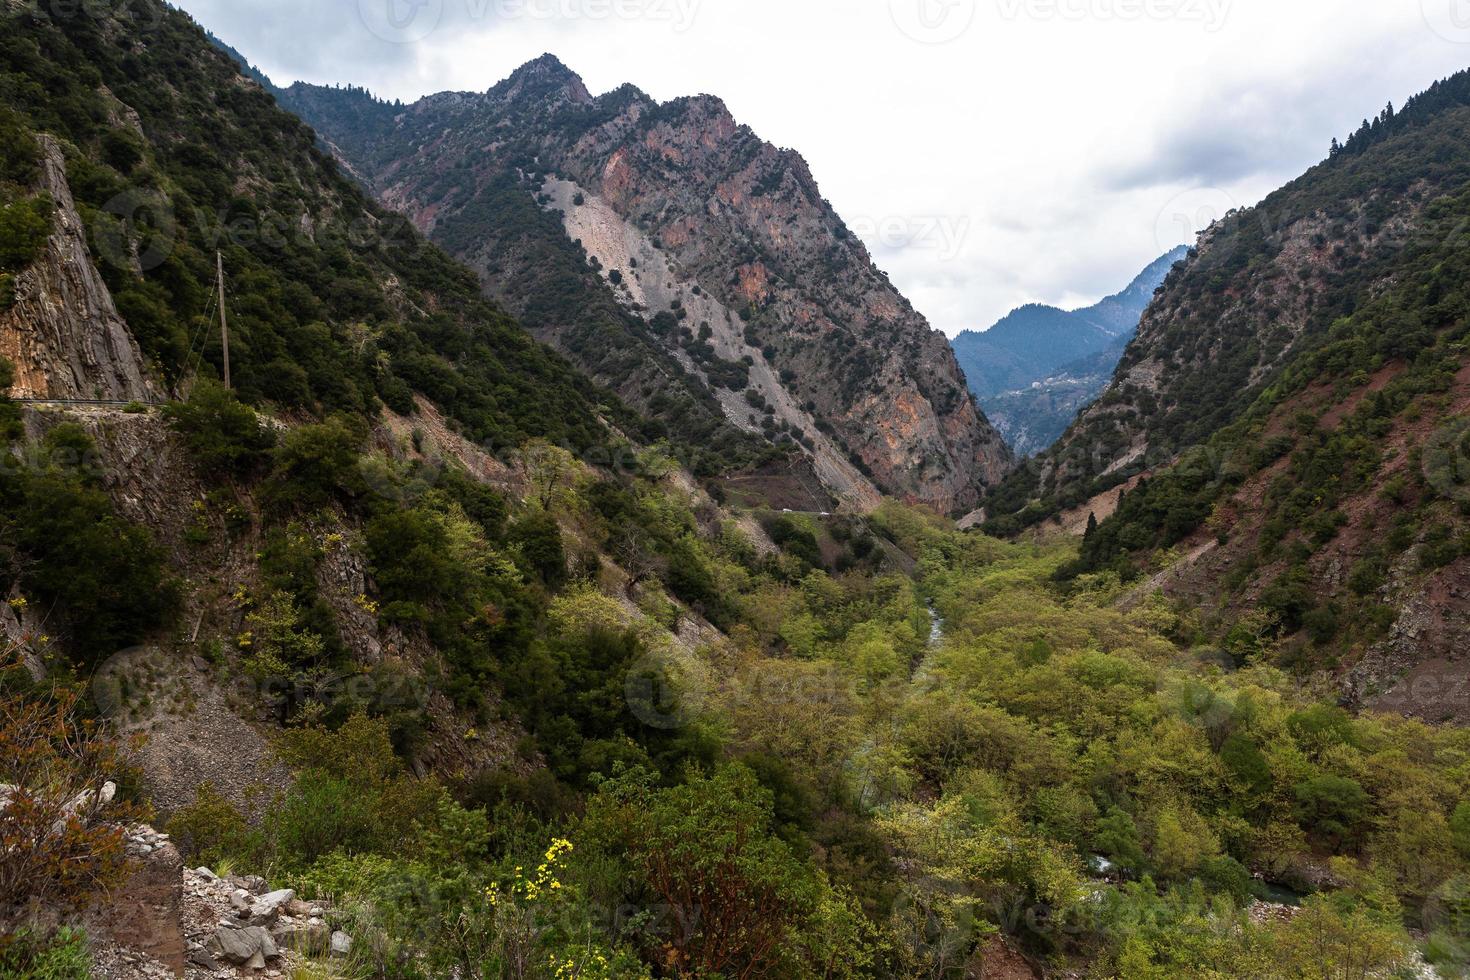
(816, 791)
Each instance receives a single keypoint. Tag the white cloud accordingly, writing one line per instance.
(1052, 143)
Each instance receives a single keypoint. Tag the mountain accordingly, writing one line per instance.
(1036, 368)
(455, 646)
(1281, 442)
(674, 255)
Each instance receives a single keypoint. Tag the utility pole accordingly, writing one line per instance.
(224, 323)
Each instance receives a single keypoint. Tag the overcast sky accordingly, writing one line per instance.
(991, 152)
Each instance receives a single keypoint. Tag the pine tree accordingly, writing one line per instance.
(1091, 527)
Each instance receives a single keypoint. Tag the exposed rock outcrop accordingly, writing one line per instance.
(64, 333)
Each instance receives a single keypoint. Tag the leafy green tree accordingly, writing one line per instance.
(223, 436)
(24, 227)
(740, 901)
(1460, 829)
(1333, 807)
(1247, 764)
(538, 540)
(315, 465)
(20, 154)
(1117, 838)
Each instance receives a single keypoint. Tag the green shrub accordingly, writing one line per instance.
(315, 465)
(706, 849)
(105, 575)
(24, 227)
(1332, 807)
(61, 956)
(10, 427)
(212, 830)
(538, 538)
(20, 154)
(224, 437)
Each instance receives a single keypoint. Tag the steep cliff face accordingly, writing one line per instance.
(63, 333)
(731, 218)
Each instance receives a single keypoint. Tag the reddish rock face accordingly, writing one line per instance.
(738, 219)
(64, 334)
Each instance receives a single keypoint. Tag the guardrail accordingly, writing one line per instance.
(94, 402)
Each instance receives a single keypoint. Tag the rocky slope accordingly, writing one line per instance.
(732, 240)
(1262, 288)
(167, 920)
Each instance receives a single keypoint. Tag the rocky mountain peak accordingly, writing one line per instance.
(545, 78)
(681, 211)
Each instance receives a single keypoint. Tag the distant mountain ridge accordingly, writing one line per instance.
(1038, 366)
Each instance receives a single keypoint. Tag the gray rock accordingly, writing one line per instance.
(203, 959)
(341, 943)
(267, 908)
(206, 874)
(246, 945)
(70, 341)
(277, 899)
